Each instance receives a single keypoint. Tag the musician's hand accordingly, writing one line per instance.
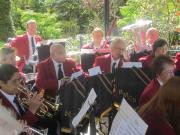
(34, 102)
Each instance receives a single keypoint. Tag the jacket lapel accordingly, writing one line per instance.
(52, 68)
(108, 63)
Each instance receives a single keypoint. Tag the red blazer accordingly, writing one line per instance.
(105, 63)
(28, 116)
(177, 61)
(157, 124)
(146, 61)
(46, 75)
(149, 92)
(21, 44)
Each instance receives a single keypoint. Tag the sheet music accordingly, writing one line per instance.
(76, 74)
(132, 64)
(94, 71)
(127, 122)
(89, 101)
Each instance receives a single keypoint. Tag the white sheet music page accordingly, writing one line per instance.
(132, 64)
(94, 71)
(127, 122)
(89, 101)
(76, 74)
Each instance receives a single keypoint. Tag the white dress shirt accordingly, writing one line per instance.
(114, 61)
(30, 47)
(10, 98)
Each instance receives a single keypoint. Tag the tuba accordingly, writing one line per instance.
(46, 110)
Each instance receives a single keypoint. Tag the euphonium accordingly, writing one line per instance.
(47, 108)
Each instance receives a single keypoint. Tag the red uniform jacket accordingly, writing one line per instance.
(157, 124)
(27, 116)
(46, 77)
(149, 92)
(21, 44)
(146, 61)
(177, 61)
(105, 63)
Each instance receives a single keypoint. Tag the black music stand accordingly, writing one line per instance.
(44, 49)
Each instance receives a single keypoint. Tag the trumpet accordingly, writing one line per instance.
(46, 110)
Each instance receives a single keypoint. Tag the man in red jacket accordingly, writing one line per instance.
(9, 82)
(51, 71)
(163, 67)
(108, 63)
(25, 45)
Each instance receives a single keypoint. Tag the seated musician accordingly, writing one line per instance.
(9, 82)
(8, 55)
(97, 43)
(162, 113)
(159, 48)
(163, 68)
(53, 69)
(177, 63)
(115, 59)
(152, 35)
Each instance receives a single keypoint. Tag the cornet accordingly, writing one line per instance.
(47, 108)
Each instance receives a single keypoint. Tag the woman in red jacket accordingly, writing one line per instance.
(162, 112)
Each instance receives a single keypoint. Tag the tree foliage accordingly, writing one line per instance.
(161, 12)
(48, 26)
(6, 23)
(74, 11)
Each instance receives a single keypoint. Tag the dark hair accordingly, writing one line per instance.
(159, 43)
(167, 101)
(158, 63)
(5, 51)
(7, 71)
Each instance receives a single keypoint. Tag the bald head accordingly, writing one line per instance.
(58, 53)
(152, 35)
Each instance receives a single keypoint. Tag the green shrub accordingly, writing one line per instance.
(6, 24)
(1, 43)
(48, 26)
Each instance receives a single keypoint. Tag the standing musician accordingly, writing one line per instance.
(9, 82)
(97, 43)
(51, 71)
(163, 67)
(108, 63)
(26, 44)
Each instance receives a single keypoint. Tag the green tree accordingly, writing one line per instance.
(48, 25)
(6, 23)
(161, 12)
(74, 11)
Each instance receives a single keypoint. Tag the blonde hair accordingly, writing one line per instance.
(30, 21)
(97, 29)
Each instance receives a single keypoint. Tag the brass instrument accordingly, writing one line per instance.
(47, 108)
